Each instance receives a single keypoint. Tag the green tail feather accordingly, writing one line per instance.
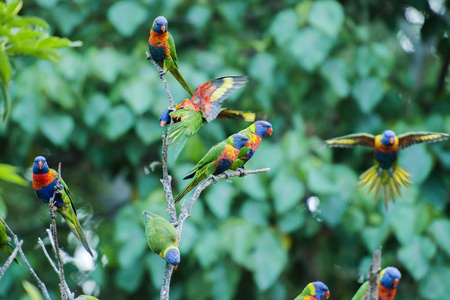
(181, 131)
(181, 80)
(71, 219)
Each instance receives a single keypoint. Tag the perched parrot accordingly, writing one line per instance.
(86, 297)
(44, 185)
(385, 172)
(255, 133)
(5, 246)
(162, 238)
(217, 160)
(203, 107)
(162, 49)
(389, 278)
(314, 291)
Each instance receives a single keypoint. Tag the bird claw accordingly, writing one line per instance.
(241, 171)
(214, 178)
(148, 56)
(162, 73)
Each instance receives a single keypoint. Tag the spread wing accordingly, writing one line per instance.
(411, 138)
(210, 95)
(351, 140)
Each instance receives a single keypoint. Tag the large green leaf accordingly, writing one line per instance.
(220, 206)
(435, 284)
(440, 230)
(126, 16)
(416, 255)
(9, 173)
(335, 72)
(118, 121)
(57, 128)
(287, 191)
(368, 92)
(283, 26)
(328, 16)
(418, 161)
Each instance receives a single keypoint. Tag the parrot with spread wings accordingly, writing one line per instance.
(386, 173)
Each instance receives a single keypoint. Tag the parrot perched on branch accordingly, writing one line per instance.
(162, 49)
(44, 185)
(386, 173)
(255, 133)
(217, 160)
(314, 291)
(203, 107)
(5, 246)
(389, 278)
(162, 238)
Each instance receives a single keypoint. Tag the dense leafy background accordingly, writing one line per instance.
(319, 69)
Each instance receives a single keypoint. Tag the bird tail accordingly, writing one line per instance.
(237, 115)
(187, 189)
(181, 80)
(71, 219)
(389, 183)
(178, 135)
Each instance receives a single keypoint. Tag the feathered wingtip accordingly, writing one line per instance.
(389, 183)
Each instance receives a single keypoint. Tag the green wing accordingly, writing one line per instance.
(173, 51)
(209, 157)
(361, 291)
(179, 132)
(160, 233)
(351, 140)
(172, 66)
(412, 138)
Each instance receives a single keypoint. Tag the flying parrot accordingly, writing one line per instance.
(202, 108)
(314, 291)
(162, 238)
(217, 160)
(162, 49)
(44, 185)
(389, 278)
(5, 246)
(255, 133)
(385, 172)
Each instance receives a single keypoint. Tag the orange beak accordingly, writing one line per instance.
(327, 294)
(269, 131)
(175, 267)
(391, 140)
(163, 28)
(40, 164)
(395, 281)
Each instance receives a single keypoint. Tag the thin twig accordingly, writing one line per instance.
(166, 182)
(41, 243)
(9, 260)
(163, 77)
(25, 260)
(374, 274)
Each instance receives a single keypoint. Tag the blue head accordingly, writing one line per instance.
(173, 257)
(164, 118)
(239, 140)
(160, 25)
(40, 165)
(388, 138)
(390, 277)
(321, 290)
(262, 128)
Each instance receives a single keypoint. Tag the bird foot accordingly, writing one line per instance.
(241, 171)
(162, 73)
(148, 56)
(214, 178)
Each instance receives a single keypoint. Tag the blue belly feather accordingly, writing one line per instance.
(385, 159)
(47, 192)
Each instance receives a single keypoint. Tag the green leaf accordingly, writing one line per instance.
(107, 64)
(405, 215)
(225, 279)
(199, 16)
(415, 256)
(418, 161)
(12, 9)
(283, 26)
(238, 237)
(435, 284)
(440, 230)
(220, 206)
(137, 95)
(287, 191)
(292, 220)
(208, 249)
(310, 47)
(126, 16)
(118, 121)
(9, 173)
(269, 259)
(364, 61)
(148, 131)
(328, 16)
(57, 128)
(262, 67)
(368, 92)
(32, 291)
(335, 72)
(155, 264)
(97, 107)
(5, 75)
(332, 209)
(129, 278)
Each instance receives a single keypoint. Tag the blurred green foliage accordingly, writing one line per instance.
(319, 69)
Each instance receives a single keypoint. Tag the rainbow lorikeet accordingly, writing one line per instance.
(162, 49)
(203, 107)
(44, 185)
(162, 238)
(385, 172)
(86, 297)
(314, 291)
(217, 160)
(255, 133)
(5, 246)
(389, 278)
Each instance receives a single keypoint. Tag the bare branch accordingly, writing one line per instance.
(163, 77)
(25, 260)
(166, 182)
(9, 260)
(41, 243)
(374, 275)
